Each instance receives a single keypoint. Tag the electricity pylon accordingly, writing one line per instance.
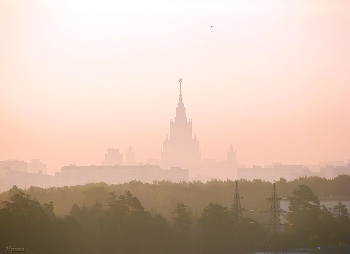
(237, 209)
(275, 211)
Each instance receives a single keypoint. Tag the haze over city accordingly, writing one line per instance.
(78, 77)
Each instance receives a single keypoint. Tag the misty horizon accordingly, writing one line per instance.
(179, 127)
(269, 79)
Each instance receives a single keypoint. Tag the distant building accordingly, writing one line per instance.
(331, 171)
(327, 172)
(180, 149)
(24, 180)
(36, 166)
(211, 168)
(333, 163)
(112, 157)
(175, 174)
(14, 172)
(130, 156)
(341, 170)
(79, 175)
(231, 155)
(275, 172)
(14, 165)
(152, 161)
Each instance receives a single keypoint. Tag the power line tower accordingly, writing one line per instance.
(275, 211)
(237, 209)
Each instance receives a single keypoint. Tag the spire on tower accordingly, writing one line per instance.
(180, 96)
(180, 110)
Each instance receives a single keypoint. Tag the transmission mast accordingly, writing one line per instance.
(237, 209)
(275, 213)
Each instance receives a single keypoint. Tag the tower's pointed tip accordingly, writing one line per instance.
(180, 96)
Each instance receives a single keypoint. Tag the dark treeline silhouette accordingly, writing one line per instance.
(110, 219)
(123, 226)
(161, 197)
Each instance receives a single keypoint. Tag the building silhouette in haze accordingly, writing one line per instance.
(113, 157)
(130, 156)
(181, 149)
(36, 166)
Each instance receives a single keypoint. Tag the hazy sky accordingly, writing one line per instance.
(271, 78)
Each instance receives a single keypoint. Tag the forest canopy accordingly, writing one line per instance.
(166, 217)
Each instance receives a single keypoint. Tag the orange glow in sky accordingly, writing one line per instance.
(269, 77)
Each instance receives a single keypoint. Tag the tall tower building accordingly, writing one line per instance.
(180, 149)
(130, 156)
(231, 155)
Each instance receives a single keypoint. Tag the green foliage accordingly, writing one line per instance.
(182, 230)
(127, 228)
(26, 224)
(163, 196)
(214, 230)
(312, 225)
(340, 211)
(219, 232)
(303, 215)
(101, 218)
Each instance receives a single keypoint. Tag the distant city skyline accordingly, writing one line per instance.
(270, 78)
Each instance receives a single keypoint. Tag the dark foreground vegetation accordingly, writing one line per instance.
(114, 219)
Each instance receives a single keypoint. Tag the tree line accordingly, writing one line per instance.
(161, 197)
(123, 225)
